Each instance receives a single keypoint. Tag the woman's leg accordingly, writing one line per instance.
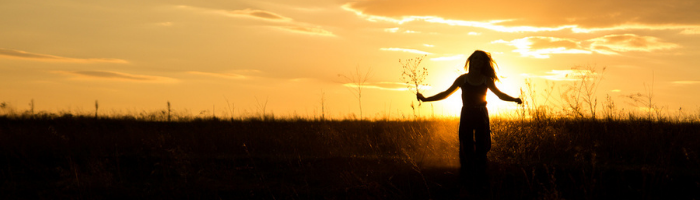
(482, 143)
(466, 146)
(466, 154)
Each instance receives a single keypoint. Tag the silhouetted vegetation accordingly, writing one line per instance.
(87, 157)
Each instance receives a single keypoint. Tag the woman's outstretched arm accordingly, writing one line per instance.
(503, 96)
(442, 95)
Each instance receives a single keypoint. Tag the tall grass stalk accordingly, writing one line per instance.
(262, 107)
(323, 106)
(582, 90)
(231, 107)
(97, 106)
(168, 110)
(31, 107)
(357, 80)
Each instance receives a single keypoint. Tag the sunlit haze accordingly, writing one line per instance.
(294, 58)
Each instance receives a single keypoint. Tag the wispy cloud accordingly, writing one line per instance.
(691, 31)
(492, 25)
(298, 80)
(455, 57)
(562, 75)
(404, 50)
(686, 82)
(166, 24)
(434, 19)
(17, 54)
(610, 44)
(259, 14)
(543, 47)
(591, 16)
(117, 76)
(247, 13)
(219, 75)
(233, 74)
(308, 30)
(392, 86)
(280, 22)
(397, 30)
(392, 30)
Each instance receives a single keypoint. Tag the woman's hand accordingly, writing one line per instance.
(420, 97)
(519, 101)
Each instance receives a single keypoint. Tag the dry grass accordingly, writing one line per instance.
(74, 157)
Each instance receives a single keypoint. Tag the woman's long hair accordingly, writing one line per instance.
(483, 60)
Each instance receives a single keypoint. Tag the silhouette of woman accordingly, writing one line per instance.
(474, 130)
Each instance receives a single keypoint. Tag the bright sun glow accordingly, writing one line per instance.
(452, 106)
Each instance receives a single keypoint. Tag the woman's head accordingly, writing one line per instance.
(481, 62)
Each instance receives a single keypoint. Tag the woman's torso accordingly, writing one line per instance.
(474, 90)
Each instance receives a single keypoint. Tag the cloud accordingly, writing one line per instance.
(233, 74)
(220, 75)
(686, 82)
(396, 30)
(300, 80)
(543, 47)
(260, 14)
(404, 50)
(392, 86)
(308, 30)
(248, 13)
(118, 76)
(492, 25)
(455, 57)
(17, 54)
(537, 15)
(629, 42)
(691, 31)
(563, 75)
(166, 24)
(280, 22)
(392, 30)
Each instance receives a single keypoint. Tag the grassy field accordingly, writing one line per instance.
(82, 157)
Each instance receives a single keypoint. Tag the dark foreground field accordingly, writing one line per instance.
(86, 158)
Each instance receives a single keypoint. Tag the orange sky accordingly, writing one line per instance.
(209, 54)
